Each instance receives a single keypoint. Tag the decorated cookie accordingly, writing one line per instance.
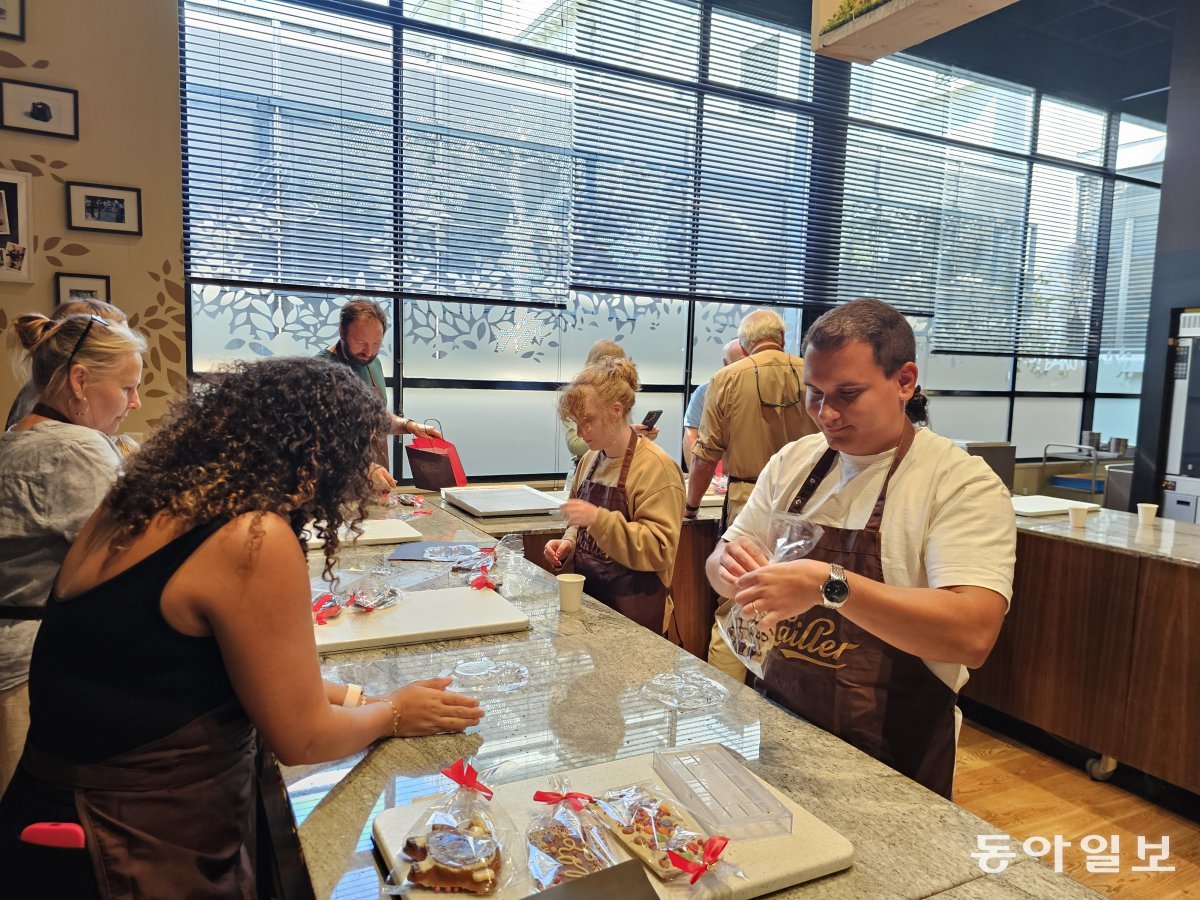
(465, 860)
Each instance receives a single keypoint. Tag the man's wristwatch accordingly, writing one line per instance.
(836, 589)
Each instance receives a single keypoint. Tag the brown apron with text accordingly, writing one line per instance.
(640, 596)
(171, 818)
(841, 677)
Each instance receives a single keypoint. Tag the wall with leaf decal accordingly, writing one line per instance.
(122, 56)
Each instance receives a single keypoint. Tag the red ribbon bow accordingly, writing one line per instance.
(321, 616)
(481, 581)
(463, 774)
(713, 848)
(577, 800)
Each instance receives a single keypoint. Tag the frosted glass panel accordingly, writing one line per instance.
(1120, 373)
(970, 418)
(652, 331)
(1038, 421)
(717, 324)
(1061, 375)
(496, 432)
(948, 372)
(477, 341)
(518, 432)
(231, 323)
(1117, 418)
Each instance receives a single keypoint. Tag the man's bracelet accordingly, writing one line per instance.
(690, 508)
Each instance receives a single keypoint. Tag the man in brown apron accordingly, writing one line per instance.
(851, 649)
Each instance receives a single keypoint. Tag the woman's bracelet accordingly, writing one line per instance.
(395, 715)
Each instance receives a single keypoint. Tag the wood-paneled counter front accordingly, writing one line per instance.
(1102, 643)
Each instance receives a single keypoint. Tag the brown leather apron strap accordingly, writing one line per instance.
(906, 439)
(814, 479)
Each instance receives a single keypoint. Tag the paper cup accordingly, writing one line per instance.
(570, 592)
(1147, 513)
(1078, 516)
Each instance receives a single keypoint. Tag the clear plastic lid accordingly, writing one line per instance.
(690, 691)
(486, 675)
(723, 794)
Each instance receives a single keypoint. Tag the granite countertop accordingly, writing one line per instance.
(1164, 539)
(582, 705)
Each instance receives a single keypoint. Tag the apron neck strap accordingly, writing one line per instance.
(825, 463)
(625, 462)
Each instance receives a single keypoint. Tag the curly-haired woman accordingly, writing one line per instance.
(180, 625)
(56, 463)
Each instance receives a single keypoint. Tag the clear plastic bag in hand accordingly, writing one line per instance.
(459, 844)
(565, 841)
(792, 537)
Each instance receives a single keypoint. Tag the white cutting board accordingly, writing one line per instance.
(457, 612)
(812, 850)
(513, 500)
(1041, 505)
(374, 531)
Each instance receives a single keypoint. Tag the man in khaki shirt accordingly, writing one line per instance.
(754, 407)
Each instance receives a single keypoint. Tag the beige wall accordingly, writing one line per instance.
(123, 58)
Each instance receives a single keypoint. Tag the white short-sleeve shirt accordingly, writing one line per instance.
(947, 521)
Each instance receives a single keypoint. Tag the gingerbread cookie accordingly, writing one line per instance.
(558, 854)
(464, 860)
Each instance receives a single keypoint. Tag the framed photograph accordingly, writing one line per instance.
(12, 19)
(39, 108)
(16, 226)
(80, 287)
(104, 207)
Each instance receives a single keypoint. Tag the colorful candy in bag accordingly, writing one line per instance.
(566, 841)
(650, 826)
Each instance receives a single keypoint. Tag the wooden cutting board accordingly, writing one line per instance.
(446, 613)
(375, 531)
(812, 850)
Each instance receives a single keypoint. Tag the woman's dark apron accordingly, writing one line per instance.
(171, 818)
(640, 596)
(841, 677)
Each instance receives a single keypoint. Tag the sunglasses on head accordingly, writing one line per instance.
(92, 320)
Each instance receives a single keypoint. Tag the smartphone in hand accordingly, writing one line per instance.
(651, 418)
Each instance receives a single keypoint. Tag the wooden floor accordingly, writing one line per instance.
(1026, 793)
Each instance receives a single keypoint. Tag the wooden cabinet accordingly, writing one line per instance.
(1102, 648)
(1062, 660)
(1162, 716)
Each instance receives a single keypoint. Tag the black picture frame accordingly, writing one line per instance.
(24, 103)
(68, 285)
(8, 30)
(108, 208)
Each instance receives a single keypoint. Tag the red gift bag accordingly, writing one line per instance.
(435, 463)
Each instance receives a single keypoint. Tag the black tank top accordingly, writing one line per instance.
(110, 674)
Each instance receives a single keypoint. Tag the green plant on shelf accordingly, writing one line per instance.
(848, 10)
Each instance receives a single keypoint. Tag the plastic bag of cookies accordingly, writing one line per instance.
(649, 824)
(459, 845)
(565, 841)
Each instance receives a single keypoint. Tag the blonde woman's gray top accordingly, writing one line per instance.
(52, 478)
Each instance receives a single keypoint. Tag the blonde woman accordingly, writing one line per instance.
(56, 464)
(626, 506)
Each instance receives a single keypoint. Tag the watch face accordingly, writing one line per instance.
(835, 590)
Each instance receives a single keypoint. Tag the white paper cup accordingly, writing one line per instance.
(1146, 513)
(1078, 516)
(570, 592)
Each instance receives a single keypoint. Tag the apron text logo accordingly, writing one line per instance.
(814, 643)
